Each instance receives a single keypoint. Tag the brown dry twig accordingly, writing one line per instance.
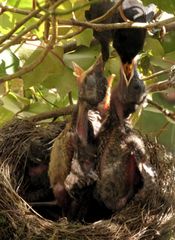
(53, 114)
(164, 111)
(163, 85)
(104, 27)
(157, 74)
(145, 217)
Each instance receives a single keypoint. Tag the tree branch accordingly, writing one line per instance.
(27, 68)
(53, 114)
(109, 13)
(102, 27)
(5, 8)
(18, 25)
(163, 85)
(157, 74)
(160, 86)
(22, 33)
(164, 111)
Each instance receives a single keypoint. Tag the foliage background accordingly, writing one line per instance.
(47, 86)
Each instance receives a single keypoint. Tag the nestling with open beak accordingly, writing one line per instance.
(128, 94)
(92, 90)
(78, 136)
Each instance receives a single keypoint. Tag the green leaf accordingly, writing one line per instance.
(113, 66)
(168, 5)
(11, 103)
(156, 126)
(51, 64)
(27, 4)
(84, 56)
(5, 115)
(10, 60)
(65, 7)
(5, 22)
(154, 47)
(2, 68)
(80, 14)
(39, 107)
(159, 62)
(84, 38)
(64, 82)
(170, 57)
(168, 42)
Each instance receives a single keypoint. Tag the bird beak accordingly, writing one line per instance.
(128, 72)
(78, 73)
(108, 91)
(82, 122)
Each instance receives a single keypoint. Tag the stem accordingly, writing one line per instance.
(53, 114)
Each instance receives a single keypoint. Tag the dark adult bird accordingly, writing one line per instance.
(127, 42)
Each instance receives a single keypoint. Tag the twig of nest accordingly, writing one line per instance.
(145, 217)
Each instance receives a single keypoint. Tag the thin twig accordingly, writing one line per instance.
(160, 86)
(36, 25)
(157, 74)
(31, 66)
(53, 114)
(103, 27)
(5, 8)
(27, 68)
(164, 111)
(108, 14)
(70, 35)
(22, 33)
(70, 98)
(18, 25)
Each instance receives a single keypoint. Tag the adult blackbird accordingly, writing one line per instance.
(128, 42)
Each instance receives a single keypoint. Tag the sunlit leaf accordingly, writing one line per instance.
(154, 47)
(5, 115)
(27, 4)
(64, 82)
(11, 103)
(5, 22)
(156, 126)
(84, 38)
(83, 57)
(51, 64)
(39, 107)
(159, 62)
(10, 61)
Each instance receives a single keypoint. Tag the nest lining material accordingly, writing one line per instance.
(148, 216)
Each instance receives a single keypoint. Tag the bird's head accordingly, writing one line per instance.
(92, 87)
(92, 83)
(133, 92)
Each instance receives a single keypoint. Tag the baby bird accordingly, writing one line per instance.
(76, 139)
(126, 97)
(119, 178)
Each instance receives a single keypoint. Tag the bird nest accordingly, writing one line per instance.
(151, 216)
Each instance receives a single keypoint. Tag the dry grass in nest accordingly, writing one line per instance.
(149, 216)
